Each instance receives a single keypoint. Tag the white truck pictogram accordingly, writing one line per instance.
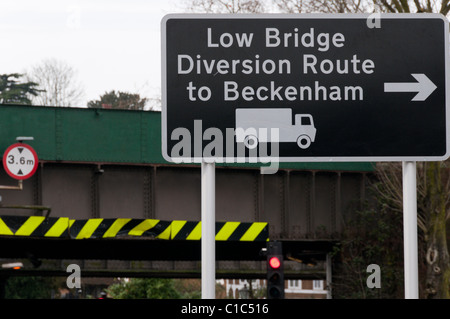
(254, 125)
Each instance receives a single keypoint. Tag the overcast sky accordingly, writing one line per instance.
(112, 44)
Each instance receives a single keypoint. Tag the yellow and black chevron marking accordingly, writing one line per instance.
(225, 231)
(236, 231)
(108, 228)
(39, 226)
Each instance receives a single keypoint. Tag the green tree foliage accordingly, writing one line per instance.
(144, 288)
(12, 91)
(375, 236)
(29, 288)
(189, 288)
(156, 288)
(370, 237)
(119, 100)
(433, 206)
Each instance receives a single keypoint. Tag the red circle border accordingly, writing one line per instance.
(34, 155)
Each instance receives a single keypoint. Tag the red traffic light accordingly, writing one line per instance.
(275, 262)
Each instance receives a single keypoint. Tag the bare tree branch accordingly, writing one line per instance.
(58, 80)
(445, 7)
(323, 6)
(226, 6)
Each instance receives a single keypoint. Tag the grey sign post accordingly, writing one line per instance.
(314, 88)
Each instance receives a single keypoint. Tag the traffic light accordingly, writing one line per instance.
(275, 276)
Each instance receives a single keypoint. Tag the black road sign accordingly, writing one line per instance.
(305, 87)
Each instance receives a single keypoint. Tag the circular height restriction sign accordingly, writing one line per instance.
(20, 161)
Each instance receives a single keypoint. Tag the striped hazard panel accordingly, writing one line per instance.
(108, 228)
(225, 231)
(234, 231)
(39, 226)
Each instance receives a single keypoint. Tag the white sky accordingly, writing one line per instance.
(112, 44)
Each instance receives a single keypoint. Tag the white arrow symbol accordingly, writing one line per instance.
(424, 87)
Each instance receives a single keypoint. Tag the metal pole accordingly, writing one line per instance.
(208, 240)
(19, 186)
(328, 276)
(410, 231)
